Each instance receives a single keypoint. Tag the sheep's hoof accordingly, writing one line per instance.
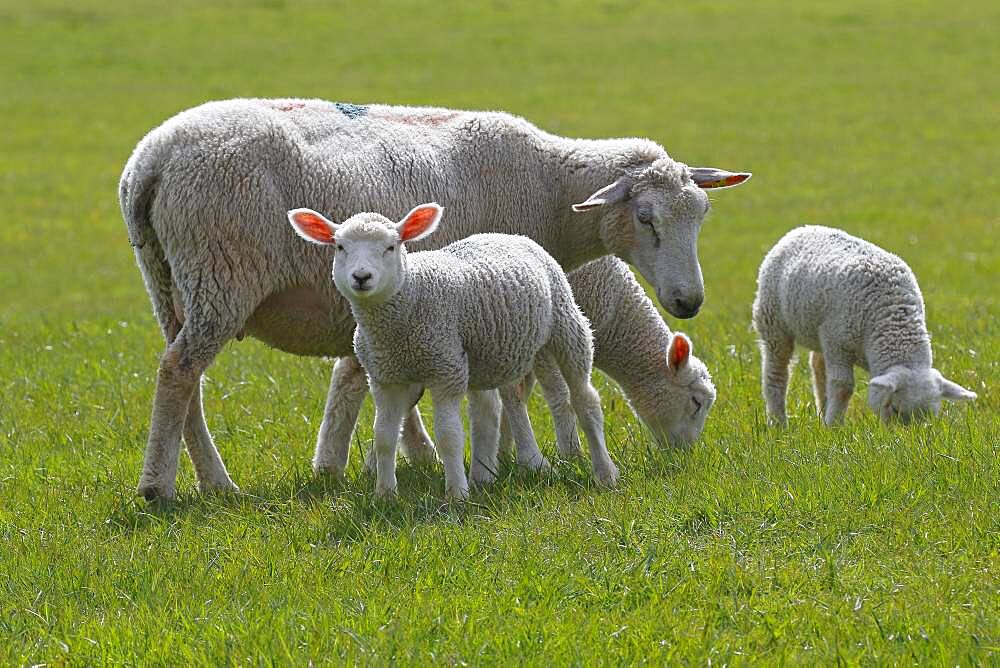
(608, 477)
(458, 493)
(152, 491)
(569, 452)
(328, 471)
(482, 476)
(226, 486)
(423, 456)
(537, 462)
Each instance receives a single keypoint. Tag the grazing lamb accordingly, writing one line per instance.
(668, 387)
(851, 303)
(466, 319)
(204, 197)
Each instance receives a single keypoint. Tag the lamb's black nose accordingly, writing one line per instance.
(361, 277)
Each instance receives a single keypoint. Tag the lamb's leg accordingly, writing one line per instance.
(209, 468)
(776, 356)
(450, 441)
(484, 428)
(524, 389)
(416, 444)
(558, 398)
(348, 386)
(391, 404)
(586, 403)
(181, 366)
(839, 387)
(528, 454)
(818, 366)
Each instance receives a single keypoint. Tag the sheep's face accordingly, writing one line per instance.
(656, 224)
(906, 394)
(369, 264)
(679, 399)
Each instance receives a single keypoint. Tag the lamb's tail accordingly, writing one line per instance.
(136, 194)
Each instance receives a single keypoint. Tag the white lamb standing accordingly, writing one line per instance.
(666, 385)
(464, 320)
(851, 303)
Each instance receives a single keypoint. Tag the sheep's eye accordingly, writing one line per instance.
(390, 249)
(697, 404)
(339, 247)
(645, 216)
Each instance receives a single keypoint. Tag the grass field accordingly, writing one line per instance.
(864, 544)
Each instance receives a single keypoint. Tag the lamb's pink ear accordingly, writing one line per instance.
(678, 352)
(312, 226)
(710, 177)
(419, 222)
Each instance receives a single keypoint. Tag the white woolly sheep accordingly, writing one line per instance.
(850, 303)
(466, 319)
(204, 197)
(669, 388)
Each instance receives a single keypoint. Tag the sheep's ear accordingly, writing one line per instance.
(609, 194)
(954, 392)
(312, 226)
(678, 352)
(710, 177)
(420, 222)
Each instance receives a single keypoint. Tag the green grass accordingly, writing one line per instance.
(864, 544)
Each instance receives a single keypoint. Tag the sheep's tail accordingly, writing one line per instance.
(136, 193)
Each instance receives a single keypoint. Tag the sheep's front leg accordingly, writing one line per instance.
(391, 404)
(528, 454)
(839, 388)
(557, 396)
(348, 386)
(776, 356)
(818, 366)
(450, 441)
(484, 428)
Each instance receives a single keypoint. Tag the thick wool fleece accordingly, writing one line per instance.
(827, 290)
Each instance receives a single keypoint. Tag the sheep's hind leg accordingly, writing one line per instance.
(450, 440)
(558, 398)
(818, 366)
(181, 367)
(776, 357)
(516, 412)
(484, 428)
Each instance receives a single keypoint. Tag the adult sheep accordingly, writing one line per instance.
(204, 197)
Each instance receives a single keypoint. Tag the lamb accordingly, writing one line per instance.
(850, 303)
(204, 198)
(466, 319)
(669, 388)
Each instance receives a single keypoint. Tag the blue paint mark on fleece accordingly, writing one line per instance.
(352, 111)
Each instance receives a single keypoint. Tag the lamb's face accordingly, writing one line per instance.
(656, 224)
(906, 394)
(677, 402)
(369, 262)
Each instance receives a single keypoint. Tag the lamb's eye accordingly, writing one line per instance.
(697, 404)
(390, 249)
(339, 247)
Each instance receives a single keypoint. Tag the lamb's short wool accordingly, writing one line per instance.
(852, 304)
(466, 319)
(665, 384)
(204, 197)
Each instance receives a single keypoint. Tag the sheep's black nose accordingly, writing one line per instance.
(361, 277)
(686, 308)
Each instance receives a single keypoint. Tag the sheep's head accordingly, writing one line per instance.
(369, 263)
(906, 394)
(651, 217)
(674, 406)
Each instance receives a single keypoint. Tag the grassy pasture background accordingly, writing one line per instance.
(861, 544)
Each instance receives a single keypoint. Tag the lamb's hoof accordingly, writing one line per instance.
(608, 477)
(457, 493)
(328, 471)
(423, 456)
(152, 491)
(226, 486)
(385, 492)
(483, 476)
(537, 462)
(570, 453)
